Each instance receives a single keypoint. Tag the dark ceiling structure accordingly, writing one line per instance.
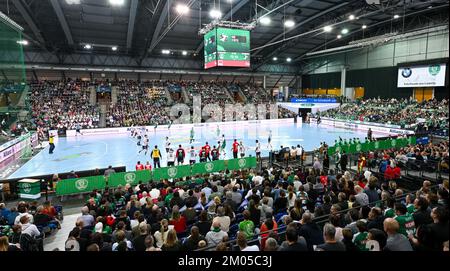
(143, 28)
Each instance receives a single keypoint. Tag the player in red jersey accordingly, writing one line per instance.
(235, 149)
(148, 166)
(207, 150)
(139, 166)
(180, 155)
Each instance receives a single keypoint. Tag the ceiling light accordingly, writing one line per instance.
(87, 46)
(288, 59)
(265, 20)
(73, 2)
(23, 42)
(339, 36)
(328, 28)
(344, 31)
(182, 9)
(275, 58)
(289, 23)
(114, 48)
(165, 52)
(116, 2)
(396, 16)
(184, 53)
(364, 26)
(215, 13)
(351, 17)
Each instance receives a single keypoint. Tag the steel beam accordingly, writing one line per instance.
(131, 20)
(62, 21)
(159, 25)
(333, 8)
(227, 16)
(29, 20)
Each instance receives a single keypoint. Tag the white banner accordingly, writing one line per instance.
(16, 145)
(421, 76)
(362, 127)
(174, 127)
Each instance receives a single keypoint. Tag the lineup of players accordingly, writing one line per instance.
(179, 155)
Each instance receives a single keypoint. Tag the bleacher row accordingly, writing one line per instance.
(280, 208)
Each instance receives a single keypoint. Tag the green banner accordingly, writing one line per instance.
(80, 185)
(132, 177)
(208, 167)
(171, 172)
(374, 145)
(241, 163)
(30, 188)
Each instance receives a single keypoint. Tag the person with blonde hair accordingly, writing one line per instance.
(171, 243)
(177, 220)
(161, 235)
(5, 246)
(395, 241)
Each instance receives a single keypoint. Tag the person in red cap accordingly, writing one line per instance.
(148, 166)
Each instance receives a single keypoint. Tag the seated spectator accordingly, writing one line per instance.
(310, 231)
(120, 240)
(203, 224)
(171, 243)
(242, 243)
(271, 244)
(28, 228)
(395, 241)
(88, 219)
(149, 244)
(292, 242)
(348, 240)
(177, 220)
(247, 226)
(329, 233)
(215, 235)
(269, 226)
(161, 235)
(192, 241)
(139, 241)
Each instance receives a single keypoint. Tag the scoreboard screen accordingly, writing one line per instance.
(227, 47)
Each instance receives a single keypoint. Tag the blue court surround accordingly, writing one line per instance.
(90, 152)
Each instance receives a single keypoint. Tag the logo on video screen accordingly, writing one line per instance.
(406, 72)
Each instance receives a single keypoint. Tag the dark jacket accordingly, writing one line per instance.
(312, 234)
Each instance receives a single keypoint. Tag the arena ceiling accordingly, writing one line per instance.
(141, 28)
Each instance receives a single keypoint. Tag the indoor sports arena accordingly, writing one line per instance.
(194, 126)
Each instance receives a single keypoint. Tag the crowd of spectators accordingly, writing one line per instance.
(428, 115)
(138, 104)
(62, 105)
(289, 209)
(212, 92)
(255, 94)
